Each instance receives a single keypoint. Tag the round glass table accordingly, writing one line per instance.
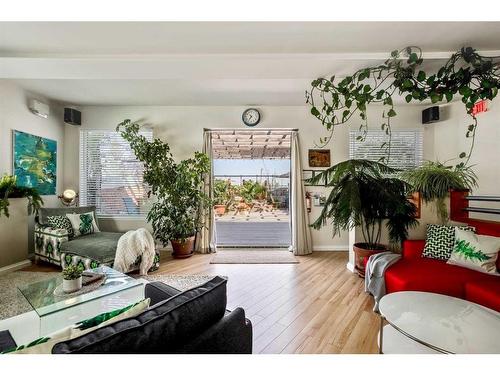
(420, 322)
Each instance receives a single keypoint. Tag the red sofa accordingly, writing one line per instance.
(413, 272)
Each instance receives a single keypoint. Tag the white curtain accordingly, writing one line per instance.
(205, 237)
(301, 232)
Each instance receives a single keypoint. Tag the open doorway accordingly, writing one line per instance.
(251, 188)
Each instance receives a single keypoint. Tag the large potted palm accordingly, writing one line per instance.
(177, 188)
(366, 194)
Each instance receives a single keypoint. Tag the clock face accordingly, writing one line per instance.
(251, 117)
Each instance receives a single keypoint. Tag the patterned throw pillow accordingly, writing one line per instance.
(61, 222)
(440, 240)
(475, 252)
(44, 345)
(83, 223)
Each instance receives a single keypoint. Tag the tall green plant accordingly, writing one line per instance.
(363, 195)
(9, 189)
(177, 187)
(434, 181)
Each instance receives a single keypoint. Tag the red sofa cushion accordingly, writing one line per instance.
(413, 272)
(486, 293)
(431, 275)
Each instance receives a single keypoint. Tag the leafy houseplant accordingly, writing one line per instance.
(364, 195)
(434, 180)
(9, 189)
(466, 74)
(72, 278)
(222, 196)
(177, 187)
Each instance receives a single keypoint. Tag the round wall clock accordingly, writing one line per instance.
(251, 117)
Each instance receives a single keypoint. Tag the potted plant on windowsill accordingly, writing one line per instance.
(365, 194)
(72, 278)
(177, 187)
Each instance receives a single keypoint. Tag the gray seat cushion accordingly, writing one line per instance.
(100, 246)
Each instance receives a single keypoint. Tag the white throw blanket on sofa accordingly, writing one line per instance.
(130, 246)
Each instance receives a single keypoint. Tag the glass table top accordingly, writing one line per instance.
(448, 324)
(40, 295)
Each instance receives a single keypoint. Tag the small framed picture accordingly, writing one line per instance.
(306, 175)
(310, 173)
(319, 158)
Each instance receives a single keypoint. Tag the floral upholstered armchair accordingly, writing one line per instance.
(56, 241)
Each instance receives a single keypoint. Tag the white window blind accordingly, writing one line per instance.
(406, 147)
(111, 177)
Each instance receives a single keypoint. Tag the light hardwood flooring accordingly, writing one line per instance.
(315, 306)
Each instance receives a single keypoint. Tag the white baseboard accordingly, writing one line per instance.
(15, 266)
(350, 267)
(331, 248)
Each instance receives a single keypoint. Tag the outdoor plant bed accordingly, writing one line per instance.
(362, 253)
(183, 248)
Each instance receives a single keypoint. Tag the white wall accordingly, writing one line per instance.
(183, 127)
(14, 114)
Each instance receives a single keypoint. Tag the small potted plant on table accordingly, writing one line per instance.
(72, 278)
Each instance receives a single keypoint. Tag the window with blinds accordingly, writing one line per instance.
(406, 147)
(111, 177)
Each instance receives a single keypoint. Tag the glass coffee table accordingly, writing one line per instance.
(426, 323)
(56, 312)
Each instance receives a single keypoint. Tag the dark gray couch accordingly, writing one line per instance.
(191, 322)
(195, 321)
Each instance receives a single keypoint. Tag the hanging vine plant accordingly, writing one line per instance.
(466, 73)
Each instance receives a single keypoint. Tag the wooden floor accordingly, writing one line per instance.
(316, 306)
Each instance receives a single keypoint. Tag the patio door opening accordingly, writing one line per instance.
(251, 188)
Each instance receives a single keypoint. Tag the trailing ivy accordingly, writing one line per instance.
(466, 73)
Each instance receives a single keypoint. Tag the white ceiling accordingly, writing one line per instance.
(211, 63)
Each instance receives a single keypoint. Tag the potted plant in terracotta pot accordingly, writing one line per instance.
(222, 196)
(177, 186)
(366, 194)
(72, 278)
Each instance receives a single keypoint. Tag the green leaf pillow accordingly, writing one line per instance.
(83, 223)
(475, 252)
(44, 345)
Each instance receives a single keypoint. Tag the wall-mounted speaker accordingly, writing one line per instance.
(72, 116)
(430, 115)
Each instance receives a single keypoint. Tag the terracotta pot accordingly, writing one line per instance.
(183, 249)
(361, 252)
(70, 286)
(220, 209)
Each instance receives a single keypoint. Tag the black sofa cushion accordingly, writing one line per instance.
(158, 291)
(6, 341)
(162, 328)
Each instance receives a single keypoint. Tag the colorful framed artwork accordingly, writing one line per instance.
(417, 201)
(35, 162)
(319, 158)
